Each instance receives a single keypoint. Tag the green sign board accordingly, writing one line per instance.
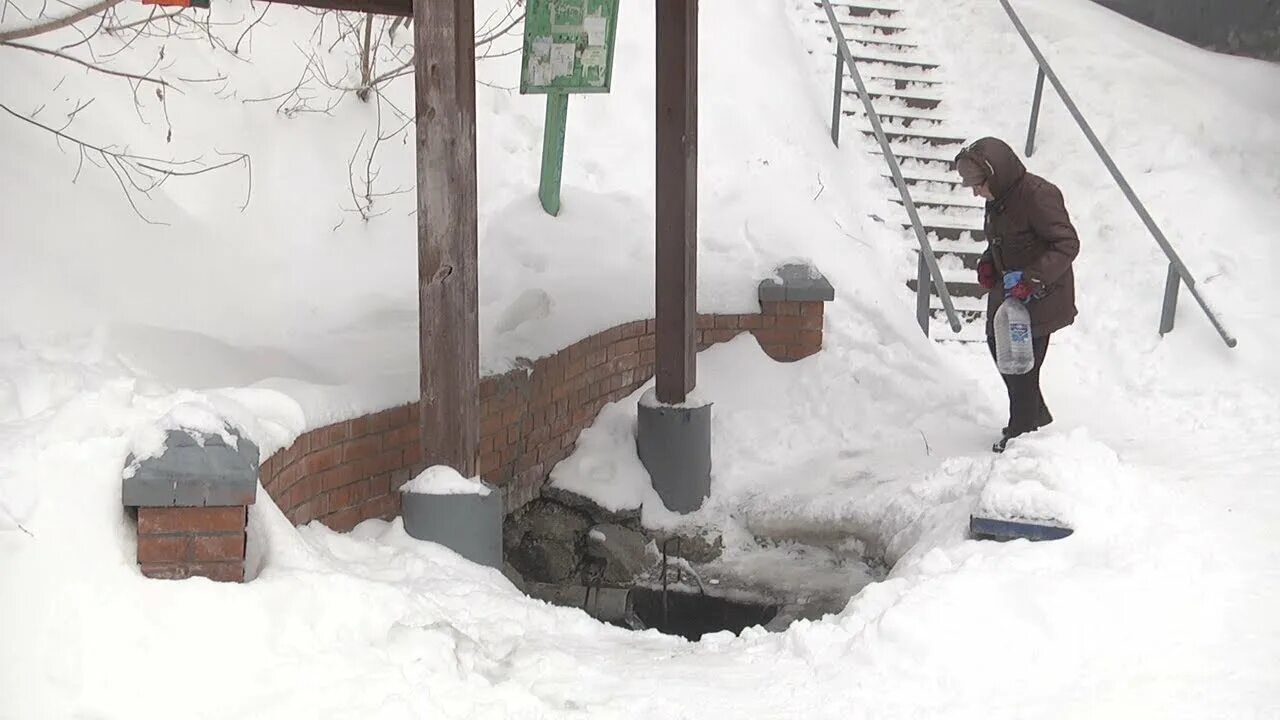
(568, 46)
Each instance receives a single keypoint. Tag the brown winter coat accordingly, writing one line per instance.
(1028, 229)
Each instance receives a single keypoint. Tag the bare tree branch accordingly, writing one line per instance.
(139, 172)
(91, 66)
(59, 23)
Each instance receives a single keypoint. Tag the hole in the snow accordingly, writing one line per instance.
(691, 615)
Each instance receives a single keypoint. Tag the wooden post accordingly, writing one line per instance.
(445, 114)
(675, 306)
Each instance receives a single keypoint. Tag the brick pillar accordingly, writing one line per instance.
(792, 308)
(192, 504)
(181, 542)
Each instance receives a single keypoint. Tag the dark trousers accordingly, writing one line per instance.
(1027, 411)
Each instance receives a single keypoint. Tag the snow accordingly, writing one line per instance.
(271, 321)
(444, 480)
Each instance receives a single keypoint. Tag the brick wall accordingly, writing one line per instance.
(530, 419)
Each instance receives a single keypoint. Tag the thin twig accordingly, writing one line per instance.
(236, 50)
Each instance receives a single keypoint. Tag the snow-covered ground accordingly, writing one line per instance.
(1164, 455)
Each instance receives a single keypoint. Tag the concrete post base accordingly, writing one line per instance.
(674, 444)
(470, 525)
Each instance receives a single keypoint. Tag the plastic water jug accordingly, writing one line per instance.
(1012, 324)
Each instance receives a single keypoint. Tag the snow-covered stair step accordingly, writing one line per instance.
(947, 230)
(877, 26)
(897, 112)
(958, 288)
(863, 9)
(929, 174)
(882, 43)
(946, 200)
(962, 247)
(969, 305)
(973, 331)
(884, 51)
(893, 66)
(950, 217)
(929, 137)
(920, 152)
(919, 99)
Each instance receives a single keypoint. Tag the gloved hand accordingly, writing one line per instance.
(986, 274)
(1015, 286)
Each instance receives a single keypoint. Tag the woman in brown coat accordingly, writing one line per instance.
(1030, 246)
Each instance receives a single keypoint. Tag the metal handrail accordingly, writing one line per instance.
(1178, 272)
(927, 267)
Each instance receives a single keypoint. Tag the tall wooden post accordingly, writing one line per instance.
(675, 305)
(445, 115)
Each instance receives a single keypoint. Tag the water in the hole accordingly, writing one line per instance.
(692, 615)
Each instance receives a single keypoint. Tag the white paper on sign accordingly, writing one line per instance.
(595, 27)
(542, 48)
(562, 59)
(541, 72)
(593, 59)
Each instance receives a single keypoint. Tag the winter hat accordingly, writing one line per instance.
(973, 168)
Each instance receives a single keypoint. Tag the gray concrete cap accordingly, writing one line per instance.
(796, 282)
(188, 474)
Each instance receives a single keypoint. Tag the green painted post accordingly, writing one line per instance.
(553, 152)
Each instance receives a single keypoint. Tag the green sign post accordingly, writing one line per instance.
(568, 48)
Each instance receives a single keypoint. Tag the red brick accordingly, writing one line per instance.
(402, 436)
(789, 322)
(491, 425)
(706, 322)
(331, 435)
(358, 427)
(383, 506)
(719, 336)
(411, 458)
(488, 387)
(164, 548)
(647, 342)
(750, 322)
(337, 477)
(489, 462)
(321, 460)
(339, 498)
(360, 491)
(597, 357)
(362, 448)
(386, 461)
(624, 347)
(726, 322)
(380, 485)
(647, 357)
(219, 547)
(650, 325)
(578, 350)
(632, 329)
(486, 444)
(190, 519)
(811, 322)
(343, 520)
(777, 352)
(265, 468)
(810, 338)
(812, 308)
(220, 571)
(415, 412)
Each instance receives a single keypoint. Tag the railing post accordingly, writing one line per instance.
(1170, 309)
(1035, 112)
(838, 101)
(922, 293)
